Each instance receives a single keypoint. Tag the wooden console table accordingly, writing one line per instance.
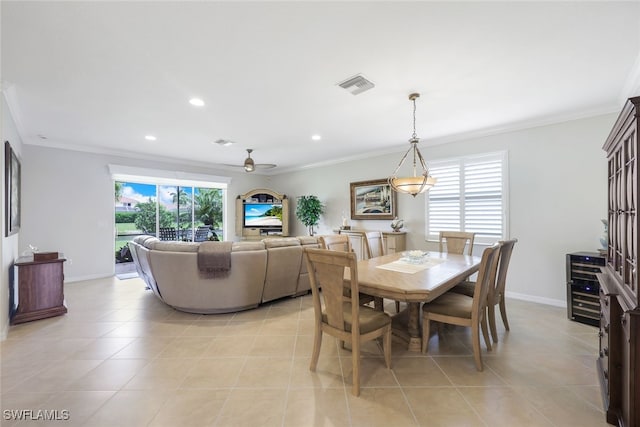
(39, 288)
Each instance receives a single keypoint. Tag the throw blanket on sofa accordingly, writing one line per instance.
(214, 258)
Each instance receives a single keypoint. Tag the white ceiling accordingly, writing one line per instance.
(99, 76)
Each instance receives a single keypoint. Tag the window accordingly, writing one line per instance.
(470, 195)
(190, 206)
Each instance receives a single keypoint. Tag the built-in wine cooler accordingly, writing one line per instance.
(583, 300)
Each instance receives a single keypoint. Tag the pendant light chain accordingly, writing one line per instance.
(415, 135)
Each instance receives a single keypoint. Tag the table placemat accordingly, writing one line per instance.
(411, 268)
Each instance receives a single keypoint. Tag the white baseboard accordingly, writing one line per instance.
(539, 300)
(81, 278)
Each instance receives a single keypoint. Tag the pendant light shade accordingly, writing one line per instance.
(420, 181)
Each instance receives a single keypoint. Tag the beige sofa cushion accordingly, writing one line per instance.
(183, 287)
(284, 256)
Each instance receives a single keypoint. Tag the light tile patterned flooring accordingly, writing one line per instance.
(120, 357)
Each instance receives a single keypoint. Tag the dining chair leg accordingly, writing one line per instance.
(503, 313)
(386, 345)
(425, 333)
(317, 342)
(475, 339)
(485, 332)
(397, 306)
(355, 359)
(491, 312)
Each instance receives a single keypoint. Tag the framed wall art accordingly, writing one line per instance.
(12, 190)
(373, 200)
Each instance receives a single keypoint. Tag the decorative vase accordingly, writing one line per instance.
(397, 224)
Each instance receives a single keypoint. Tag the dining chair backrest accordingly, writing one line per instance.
(202, 233)
(373, 244)
(456, 242)
(336, 242)
(497, 294)
(327, 267)
(505, 256)
(168, 233)
(486, 279)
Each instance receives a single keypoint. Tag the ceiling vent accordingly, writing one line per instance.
(356, 84)
(224, 142)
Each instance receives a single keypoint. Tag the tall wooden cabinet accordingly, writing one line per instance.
(619, 358)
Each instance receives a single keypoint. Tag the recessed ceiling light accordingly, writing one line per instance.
(316, 137)
(196, 102)
(150, 138)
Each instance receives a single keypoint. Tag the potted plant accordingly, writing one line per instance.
(308, 211)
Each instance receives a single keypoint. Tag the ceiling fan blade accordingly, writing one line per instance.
(250, 161)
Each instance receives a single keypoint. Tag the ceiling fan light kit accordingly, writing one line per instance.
(249, 165)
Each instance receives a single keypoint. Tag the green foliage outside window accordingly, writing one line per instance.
(146, 219)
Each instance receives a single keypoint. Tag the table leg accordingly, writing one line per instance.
(415, 337)
(406, 325)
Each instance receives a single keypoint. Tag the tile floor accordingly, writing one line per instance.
(122, 358)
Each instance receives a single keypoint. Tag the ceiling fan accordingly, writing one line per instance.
(249, 165)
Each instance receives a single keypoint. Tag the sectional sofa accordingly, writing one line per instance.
(260, 271)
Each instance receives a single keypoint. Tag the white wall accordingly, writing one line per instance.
(557, 196)
(557, 179)
(9, 249)
(68, 205)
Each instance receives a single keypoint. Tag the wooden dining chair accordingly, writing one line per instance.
(342, 317)
(496, 295)
(374, 247)
(336, 242)
(455, 242)
(462, 310)
(341, 243)
(373, 244)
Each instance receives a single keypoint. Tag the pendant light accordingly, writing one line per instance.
(418, 183)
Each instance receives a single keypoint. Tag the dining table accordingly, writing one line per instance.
(413, 279)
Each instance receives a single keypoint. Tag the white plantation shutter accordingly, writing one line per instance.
(470, 195)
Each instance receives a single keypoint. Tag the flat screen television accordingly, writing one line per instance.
(262, 215)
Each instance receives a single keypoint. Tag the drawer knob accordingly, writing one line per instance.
(606, 328)
(606, 351)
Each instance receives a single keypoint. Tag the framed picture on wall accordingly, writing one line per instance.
(12, 190)
(373, 200)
